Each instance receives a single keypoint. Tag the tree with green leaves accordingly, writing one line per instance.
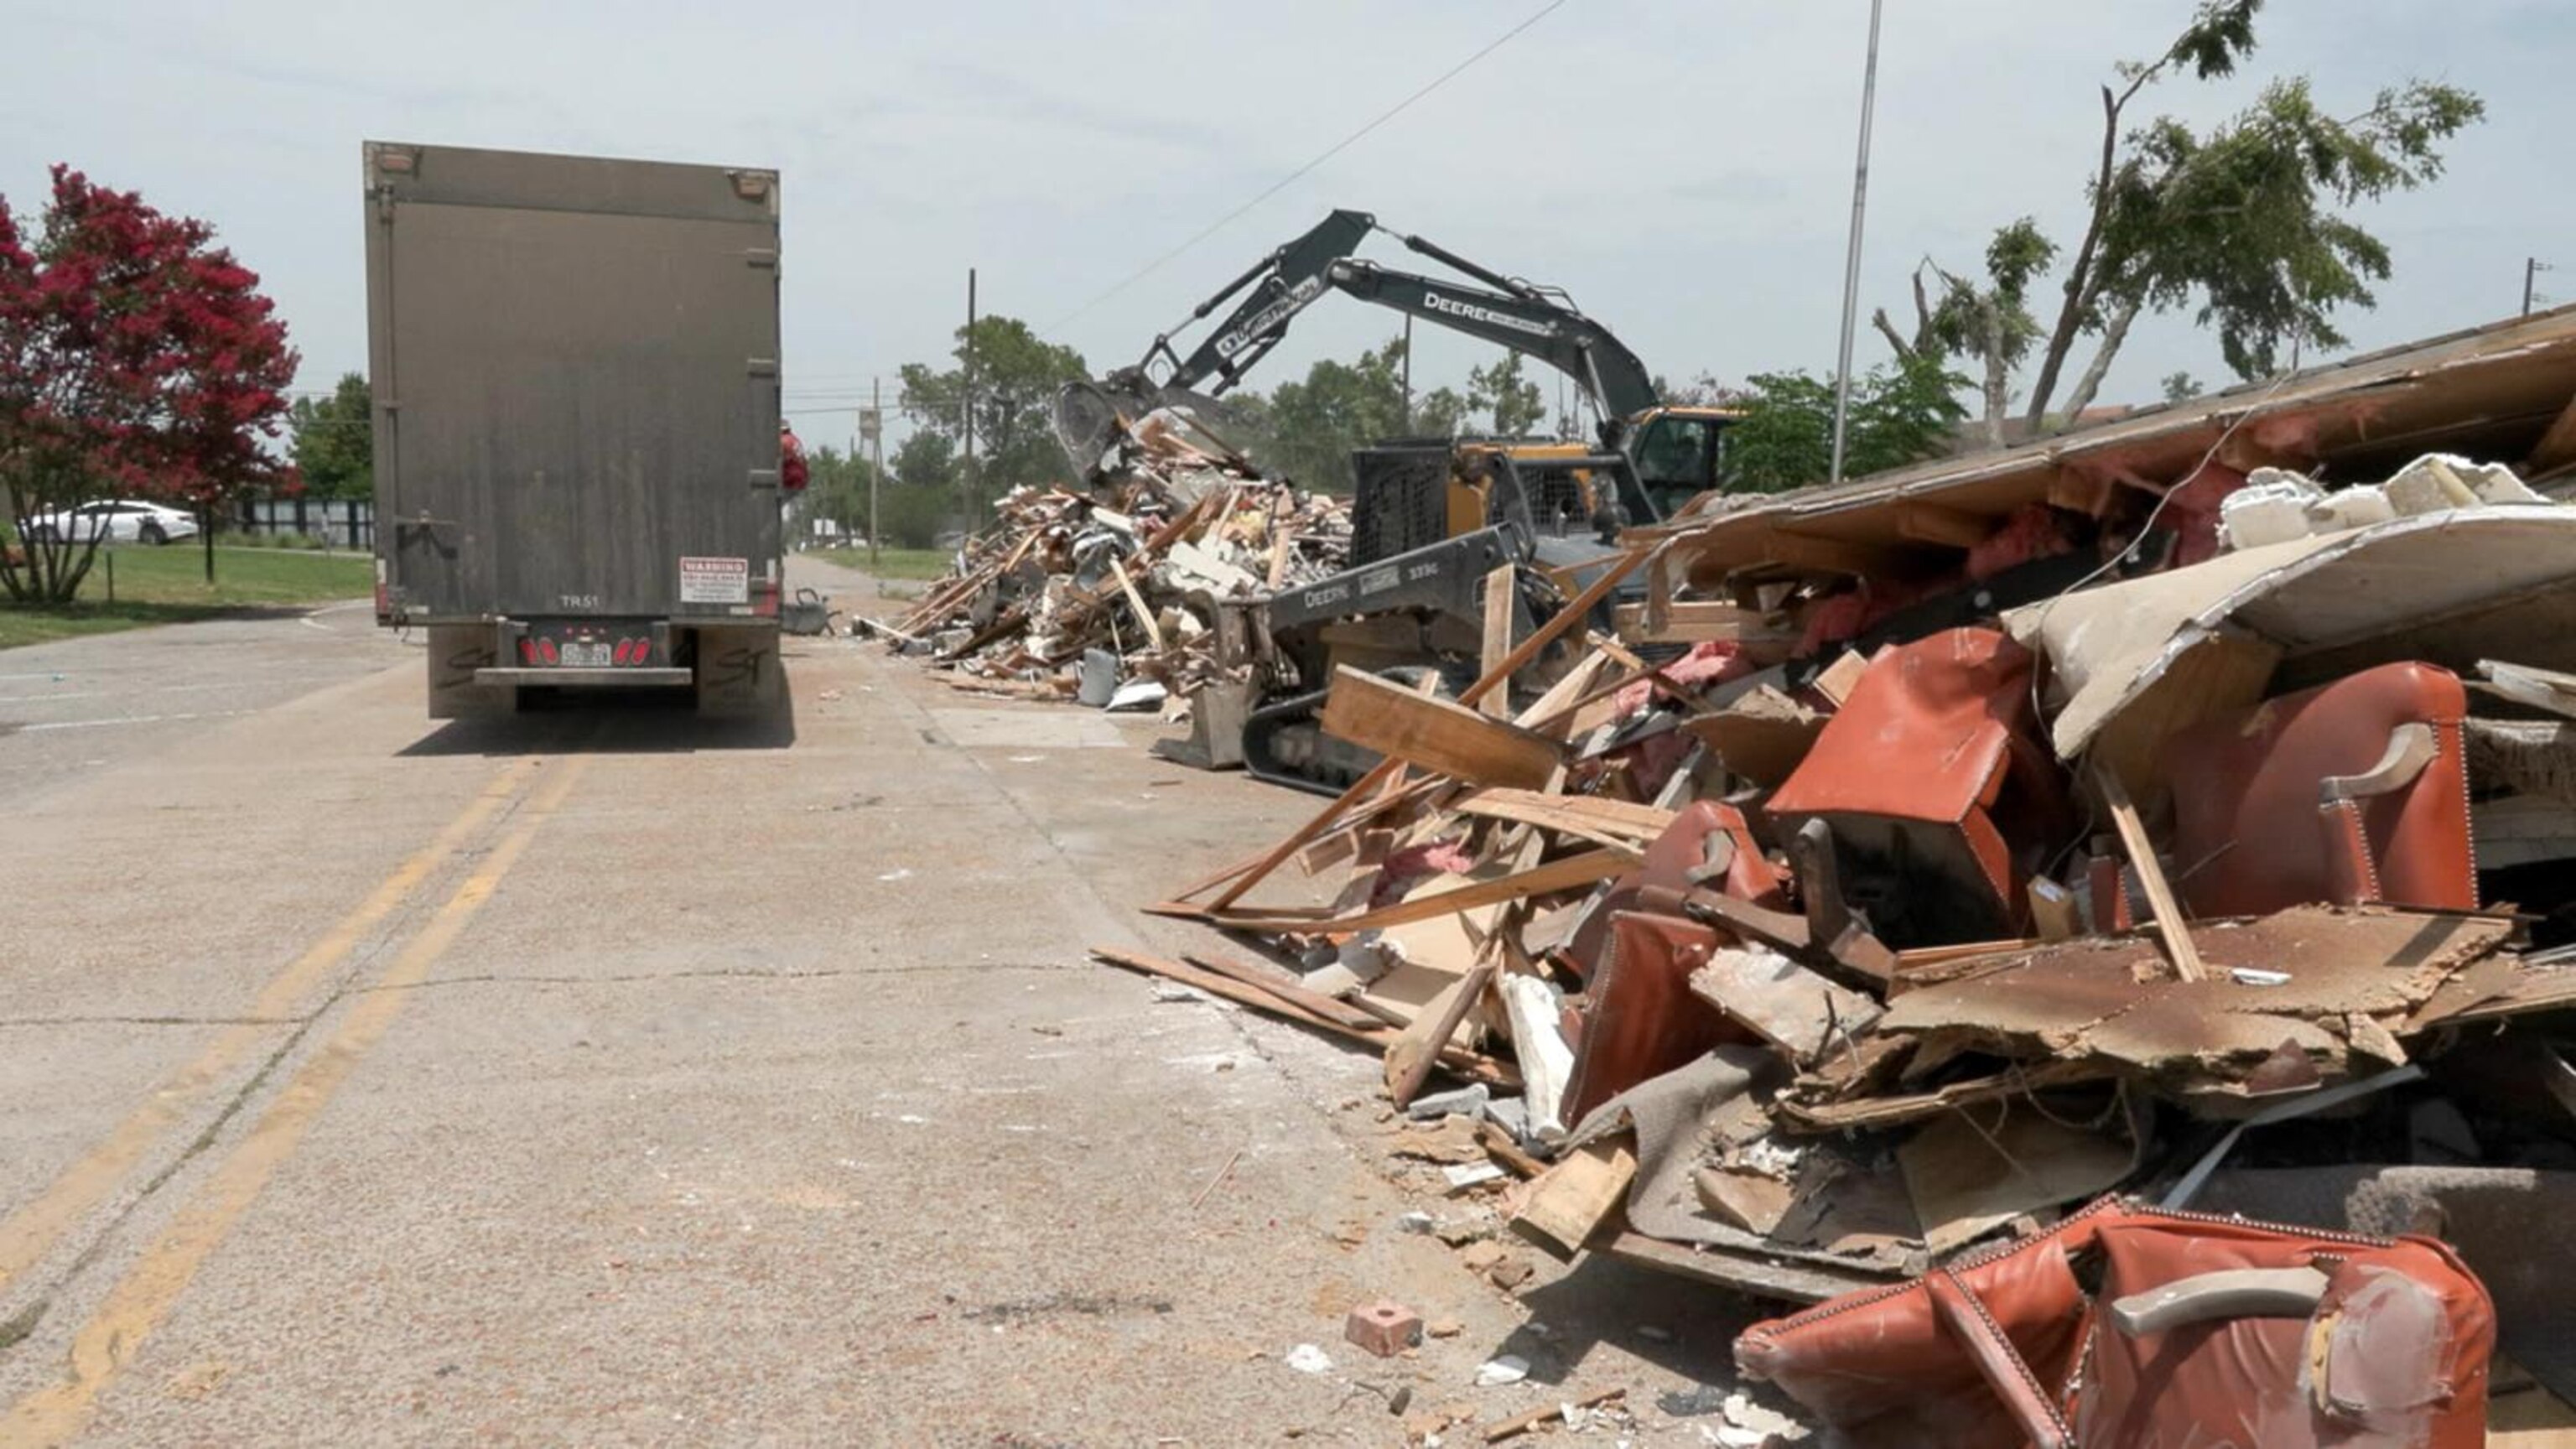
(2179, 387)
(1900, 414)
(1314, 424)
(836, 490)
(927, 459)
(1497, 389)
(1016, 377)
(919, 500)
(2247, 224)
(1441, 412)
(334, 441)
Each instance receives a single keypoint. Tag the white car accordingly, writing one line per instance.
(116, 521)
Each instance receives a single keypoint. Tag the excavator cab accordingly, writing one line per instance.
(1680, 453)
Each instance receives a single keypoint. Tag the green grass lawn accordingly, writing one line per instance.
(168, 586)
(893, 563)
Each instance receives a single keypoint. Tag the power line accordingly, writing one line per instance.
(1292, 177)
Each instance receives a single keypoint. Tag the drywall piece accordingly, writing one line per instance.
(2107, 646)
(2272, 507)
(1535, 1011)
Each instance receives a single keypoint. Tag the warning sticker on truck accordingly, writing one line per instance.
(715, 581)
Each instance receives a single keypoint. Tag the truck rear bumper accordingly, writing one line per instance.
(627, 677)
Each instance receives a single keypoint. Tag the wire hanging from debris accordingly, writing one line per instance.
(1283, 183)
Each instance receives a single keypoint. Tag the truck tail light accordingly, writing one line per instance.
(546, 651)
(527, 651)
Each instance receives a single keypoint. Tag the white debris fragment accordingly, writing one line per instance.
(1416, 1221)
(2272, 507)
(1509, 1368)
(1750, 1426)
(898, 874)
(1136, 694)
(1169, 991)
(1469, 1174)
(1305, 1358)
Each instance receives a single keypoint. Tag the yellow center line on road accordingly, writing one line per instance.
(31, 1232)
(143, 1297)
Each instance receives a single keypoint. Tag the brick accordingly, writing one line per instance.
(1384, 1328)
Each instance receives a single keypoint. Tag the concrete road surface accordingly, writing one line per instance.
(600, 1076)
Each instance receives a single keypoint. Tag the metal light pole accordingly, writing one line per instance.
(1851, 259)
(2531, 268)
(966, 474)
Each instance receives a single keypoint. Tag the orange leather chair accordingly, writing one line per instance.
(2351, 793)
(1938, 793)
(2202, 1331)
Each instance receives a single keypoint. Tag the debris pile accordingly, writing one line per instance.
(1110, 596)
(2107, 817)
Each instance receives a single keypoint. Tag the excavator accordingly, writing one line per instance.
(1678, 450)
(1431, 518)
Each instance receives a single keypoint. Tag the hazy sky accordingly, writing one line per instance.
(1683, 168)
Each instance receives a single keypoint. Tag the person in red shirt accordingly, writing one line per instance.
(791, 459)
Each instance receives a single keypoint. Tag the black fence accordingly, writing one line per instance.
(339, 522)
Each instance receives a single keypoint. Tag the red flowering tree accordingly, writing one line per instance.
(137, 360)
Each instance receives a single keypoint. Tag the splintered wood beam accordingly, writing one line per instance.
(2557, 446)
(2170, 927)
(1377, 713)
(1571, 873)
(1501, 586)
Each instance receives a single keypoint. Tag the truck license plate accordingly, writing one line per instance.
(585, 654)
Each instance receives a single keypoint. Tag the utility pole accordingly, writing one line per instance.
(1851, 259)
(874, 432)
(2531, 268)
(966, 474)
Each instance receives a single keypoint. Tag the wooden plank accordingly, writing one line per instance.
(1559, 875)
(1415, 1050)
(1787, 1005)
(1377, 713)
(1499, 589)
(1521, 1423)
(1574, 613)
(1468, 1066)
(2170, 926)
(1572, 1201)
(1500, 1147)
(1281, 540)
(1136, 601)
(1608, 822)
(1277, 982)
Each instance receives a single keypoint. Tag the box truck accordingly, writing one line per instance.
(576, 379)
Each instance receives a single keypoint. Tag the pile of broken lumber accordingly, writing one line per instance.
(1824, 953)
(1111, 596)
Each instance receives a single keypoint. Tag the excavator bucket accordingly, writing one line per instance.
(1090, 417)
